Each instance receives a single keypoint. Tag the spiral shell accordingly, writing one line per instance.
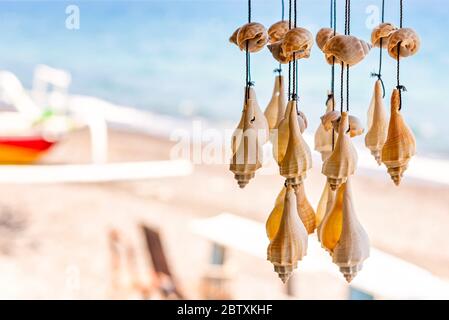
(343, 160)
(347, 49)
(297, 42)
(408, 40)
(323, 138)
(377, 124)
(248, 140)
(400, 145)
(277, 31)
(332, 119)
(233, 38)
(329, 230)
(277, 53)
(275, 110)
(384, 32)
(254, 34)
(289, 245)
(323, 36)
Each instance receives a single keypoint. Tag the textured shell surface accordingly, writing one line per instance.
(275, 110)
(409, 41)
(277, 53)
(323, 36)
(332, 119)
(280, 141)
(297, 42)
(254, 34)
(353, 246)
(348, 49)
(248, 142)
(233, 38)
(277, 31)
(289, 245)
(343, 160)
(400, 145)
(329, 231)
(323, 138)
(298, 158)
(382, 31)
(377, 124)
(305, 210)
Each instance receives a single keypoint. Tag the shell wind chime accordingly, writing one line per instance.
(252, 131)
(400, 145)
(390, 141)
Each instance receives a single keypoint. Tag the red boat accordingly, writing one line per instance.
(23, 149)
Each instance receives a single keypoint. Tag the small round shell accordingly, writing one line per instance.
(297, 41)
(252, 35)
(409, 41)
(348, 49)
(323, 36)
(384, 32)
(277, 31)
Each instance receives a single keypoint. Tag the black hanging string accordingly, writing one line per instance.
(289, 64)
(279, 69)
(295, 62)
(400, 87)
(283, 9)
(379, 73)
(348, 32)
(249, 83)
(331, 96)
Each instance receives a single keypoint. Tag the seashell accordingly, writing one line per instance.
(298, 158)
(325, 204)
(323, 36)
(400, 145)
(377, 124)
(297, 41)
(255, 34)
(323, 138)
(343, 160)
(289, 245)
(305, 210)
(332, 120)
(277, 31)
(409, 40)
(233, 38)
(382, 31)
(281, 141)
(274, 219)
(248, 142)
(348, 49)
(329, 230)
(353, 246)
(277, 53)
(275, 110)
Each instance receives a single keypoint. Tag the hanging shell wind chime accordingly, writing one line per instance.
(400, 144)
(252, 131)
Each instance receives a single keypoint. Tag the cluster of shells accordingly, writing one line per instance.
(293, 218)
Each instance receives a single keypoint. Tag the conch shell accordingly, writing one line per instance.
(281, 141)
(323, 138)
(325, 204)
(305, 211)
(277, 31)
(298, 158)
(343, 160)
(276, 51)
(348, 49)
(353, 246)
(409, 41)
(382, 31)
(252, 34)
(247, 142)
(275, 110)
(332, 120)
(289, 245)
(377, 124)
(400, 145)
(322, 37)
(329, 230)
(297, 41)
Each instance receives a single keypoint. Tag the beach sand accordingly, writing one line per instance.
(53, 238)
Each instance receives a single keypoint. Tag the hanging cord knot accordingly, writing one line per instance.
(250, 84)
(294, 97)
(330, 96)
(379, 77)
(278, 71)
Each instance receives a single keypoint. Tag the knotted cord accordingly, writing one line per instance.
(289, 64)
(249, 83)
(333, 24)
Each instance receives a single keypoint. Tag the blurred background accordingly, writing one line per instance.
(113, 128)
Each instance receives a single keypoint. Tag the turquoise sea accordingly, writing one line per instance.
(174, 57)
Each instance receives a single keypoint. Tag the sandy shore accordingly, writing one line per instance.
(53, 238)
